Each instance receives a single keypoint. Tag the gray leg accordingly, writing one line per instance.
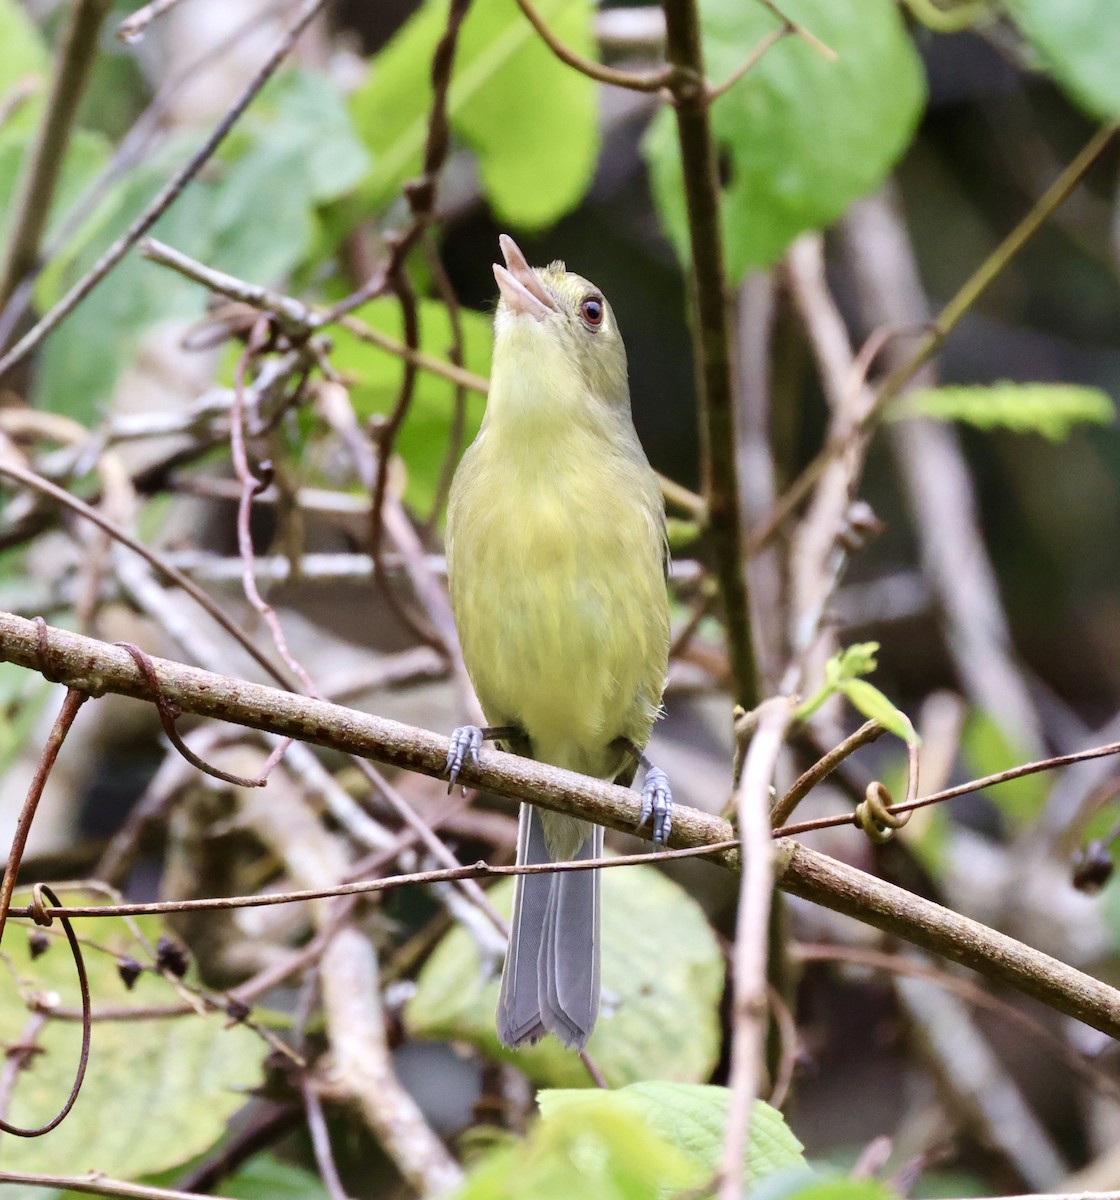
(466, 741)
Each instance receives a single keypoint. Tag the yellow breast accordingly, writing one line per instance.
(555, 556)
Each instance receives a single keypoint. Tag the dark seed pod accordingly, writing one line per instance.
(129, 970)
(172, 956)
(1092, 867)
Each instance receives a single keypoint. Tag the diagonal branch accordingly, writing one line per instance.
(94, 667)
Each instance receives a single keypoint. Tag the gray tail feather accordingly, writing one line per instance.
(550, 983)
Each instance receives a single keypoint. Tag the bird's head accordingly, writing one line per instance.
(560, 321)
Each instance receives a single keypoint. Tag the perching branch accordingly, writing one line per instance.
(92, 666)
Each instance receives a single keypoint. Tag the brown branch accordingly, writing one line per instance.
(31, 205)
(711, 339)
(94, 667)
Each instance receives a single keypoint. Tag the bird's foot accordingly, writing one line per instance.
(466, 741)
(657, 806)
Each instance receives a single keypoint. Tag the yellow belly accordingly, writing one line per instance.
(558, 588)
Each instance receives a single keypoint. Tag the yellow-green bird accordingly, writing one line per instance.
(557, 558)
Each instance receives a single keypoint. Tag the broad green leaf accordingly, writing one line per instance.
(374, 378)
(531, 120)
(866, 698)
(662, 983)
(1051, 409)
(594, 1151)
(158, 1091)
(1078, 42)
(691, 1118)
(23, 58)
(265, 1177)
(802, 137)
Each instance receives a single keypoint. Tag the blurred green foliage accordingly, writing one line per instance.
(802, 136)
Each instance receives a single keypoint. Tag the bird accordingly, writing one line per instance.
(557, 562)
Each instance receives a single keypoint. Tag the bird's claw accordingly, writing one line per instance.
(657, 803)
(466, 741)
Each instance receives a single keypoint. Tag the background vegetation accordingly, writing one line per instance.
(865, 258)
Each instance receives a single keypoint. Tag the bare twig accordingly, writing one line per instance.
(644, 81)
(164, 198)
(749, 1003)
(32, 203)
(30, 479)
(864, 735)
(97, 1184)
(133, 28)
(70, 705)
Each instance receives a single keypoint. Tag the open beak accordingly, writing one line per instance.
(521, 290)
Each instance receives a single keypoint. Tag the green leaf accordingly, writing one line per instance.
(157, 1092)
(23, 58)
(662, 984)
(265, 1177)
(1078, 42)
(866, 698)
(691, 1118)
(794, 1187)
(987, 751)
(374, 378)
(597, 1151)
(1051, 409)
(802, 137)
(531, 120)
(851, 662)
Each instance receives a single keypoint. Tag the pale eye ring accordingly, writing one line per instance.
(591, 311)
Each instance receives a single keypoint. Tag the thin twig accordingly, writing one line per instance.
(70, 705)
(820, 770)
(321, 1142)
(46, 488)
(164, 198)
(749, 1001)
(960, 789)
(644, 81)
(97, 1184)
(133, 28)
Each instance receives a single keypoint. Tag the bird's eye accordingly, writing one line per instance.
(591, 310)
